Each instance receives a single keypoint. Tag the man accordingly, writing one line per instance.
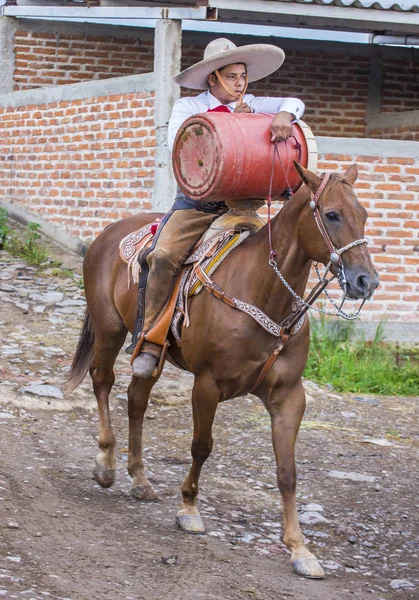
(225, 71)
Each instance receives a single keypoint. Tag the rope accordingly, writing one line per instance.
(229, 89)
(272, 252)
(288, 194)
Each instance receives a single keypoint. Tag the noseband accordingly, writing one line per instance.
(334, 259)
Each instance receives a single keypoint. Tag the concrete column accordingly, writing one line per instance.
(167, 57)
(375, 82)
(8, 28)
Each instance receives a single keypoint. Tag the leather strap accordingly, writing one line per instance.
(183, 202)
(314, 207)
(270, 362)
(213, 288)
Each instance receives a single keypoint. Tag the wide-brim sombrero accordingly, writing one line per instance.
(260, 60)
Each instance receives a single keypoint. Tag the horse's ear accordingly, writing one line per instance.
(309, 178)
(351, 174)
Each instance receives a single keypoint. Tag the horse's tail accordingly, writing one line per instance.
(82, 356)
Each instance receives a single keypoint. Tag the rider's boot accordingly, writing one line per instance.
(152, 345)
(148, 359)
(160, 283)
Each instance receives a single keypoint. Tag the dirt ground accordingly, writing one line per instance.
(62, 537)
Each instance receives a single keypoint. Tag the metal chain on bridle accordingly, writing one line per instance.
(335, 253)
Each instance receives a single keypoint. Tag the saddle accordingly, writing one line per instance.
(225, 233)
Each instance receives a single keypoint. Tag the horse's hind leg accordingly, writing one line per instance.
(205, 398)
(105, 351)
(138, 395)
(286, 408)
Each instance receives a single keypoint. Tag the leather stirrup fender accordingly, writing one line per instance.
(158, 333)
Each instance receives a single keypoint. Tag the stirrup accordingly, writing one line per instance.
(159, 368)
(137, 347)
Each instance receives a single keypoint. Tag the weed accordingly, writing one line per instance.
(343, 358)
(392, 433)
(27, 247)
(58, 271)
(4, 228)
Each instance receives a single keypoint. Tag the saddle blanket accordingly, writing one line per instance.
(209, 253)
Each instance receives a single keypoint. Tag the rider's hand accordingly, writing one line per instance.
(281, 127)
(243, 108)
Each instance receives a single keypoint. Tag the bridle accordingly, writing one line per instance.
(334, 260)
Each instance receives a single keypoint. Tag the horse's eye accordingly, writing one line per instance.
(332, 216)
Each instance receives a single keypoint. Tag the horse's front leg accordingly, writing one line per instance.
(138, 395)
(205, 398)
(286, 408)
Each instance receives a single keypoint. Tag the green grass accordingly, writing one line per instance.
(27, 246)
(26, 243)
(340, 357)
(57, 270)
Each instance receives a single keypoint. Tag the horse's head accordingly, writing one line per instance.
(339, 235)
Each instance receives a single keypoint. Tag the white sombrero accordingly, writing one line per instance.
(260, 60)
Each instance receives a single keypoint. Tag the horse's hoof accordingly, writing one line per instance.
(308, 567)
(144, 493)
(190, 523)
(103, 476)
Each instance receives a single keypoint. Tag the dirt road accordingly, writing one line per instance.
(63, 537)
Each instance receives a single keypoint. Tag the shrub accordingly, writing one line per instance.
(341, 357)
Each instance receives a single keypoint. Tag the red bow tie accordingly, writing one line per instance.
(220, 108)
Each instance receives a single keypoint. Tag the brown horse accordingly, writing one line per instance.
(223, 347)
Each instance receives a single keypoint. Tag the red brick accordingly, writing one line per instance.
(369, 159)
(386, 169)
(401, 161)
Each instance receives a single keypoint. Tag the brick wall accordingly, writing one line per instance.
(400, 88)
(80, 164)
(47, 59)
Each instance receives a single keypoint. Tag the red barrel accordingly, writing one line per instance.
(219, 157)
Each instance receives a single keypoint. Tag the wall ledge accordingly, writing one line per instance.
(388, 120)
(367, 147)
(145, 82)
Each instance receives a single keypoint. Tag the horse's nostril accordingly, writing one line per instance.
(365, 284)
(362, 282)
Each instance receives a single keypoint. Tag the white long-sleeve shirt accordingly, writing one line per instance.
(190, 106)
